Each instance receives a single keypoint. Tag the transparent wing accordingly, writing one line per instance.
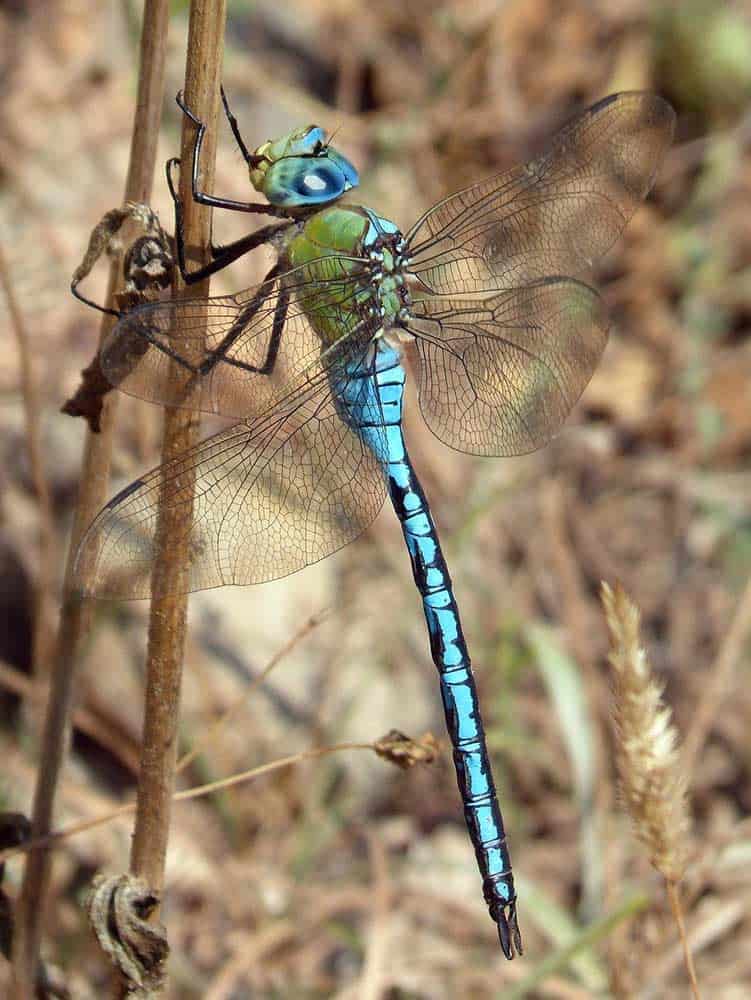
(238, 353)
(499, 376)
(553, 216)
(261, 499)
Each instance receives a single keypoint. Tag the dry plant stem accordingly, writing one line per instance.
(75, 615)
(677, 909)
(56, 837)
(167, 623)
(43, 611)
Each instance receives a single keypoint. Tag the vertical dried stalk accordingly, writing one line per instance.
(168, 613)
(94, 479)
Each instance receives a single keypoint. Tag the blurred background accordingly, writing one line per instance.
(345, 877)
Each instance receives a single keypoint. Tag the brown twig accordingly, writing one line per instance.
(43, 611)
(688, 958)
(75, 613)
(168, 620)
(136, 891)
(56, 837)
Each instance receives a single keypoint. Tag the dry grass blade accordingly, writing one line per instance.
(652, 782)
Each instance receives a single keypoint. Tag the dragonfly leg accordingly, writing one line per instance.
(230, 252)
(237, 328)
(248, 157)
(212, 200)
(223, 255)
(280, 318)
(90, 302)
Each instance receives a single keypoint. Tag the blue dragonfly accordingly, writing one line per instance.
(489, 285)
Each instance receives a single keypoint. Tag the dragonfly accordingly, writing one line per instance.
(491, 287)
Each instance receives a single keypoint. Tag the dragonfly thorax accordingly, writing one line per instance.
(342, 243)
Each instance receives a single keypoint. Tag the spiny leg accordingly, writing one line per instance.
(280, 318)
(240, 324)
(212, 200)
(223, 255)
(248, 157)
(204, 369)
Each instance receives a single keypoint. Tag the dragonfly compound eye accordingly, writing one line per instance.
(299, 181)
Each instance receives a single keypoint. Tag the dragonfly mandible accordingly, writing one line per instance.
(491, 287)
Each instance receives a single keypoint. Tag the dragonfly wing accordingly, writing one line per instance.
(499, 376)
(557, 214)
(237, 353)
(262, 499)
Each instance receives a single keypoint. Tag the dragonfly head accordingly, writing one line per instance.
(301, 170)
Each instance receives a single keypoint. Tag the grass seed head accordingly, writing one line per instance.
(652, 786)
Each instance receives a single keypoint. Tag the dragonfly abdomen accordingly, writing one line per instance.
(372, 401)
(448, 648)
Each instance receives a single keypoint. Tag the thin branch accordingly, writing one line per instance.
(56, 838)
(168, 619)
(94, 481)
(677, 910)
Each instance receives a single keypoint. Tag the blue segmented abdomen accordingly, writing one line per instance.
(371, 400)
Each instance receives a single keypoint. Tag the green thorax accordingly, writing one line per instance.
(324, 242)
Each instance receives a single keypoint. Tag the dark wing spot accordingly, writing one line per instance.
(131, 488)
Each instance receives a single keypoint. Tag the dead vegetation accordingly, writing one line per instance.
(341, 875)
